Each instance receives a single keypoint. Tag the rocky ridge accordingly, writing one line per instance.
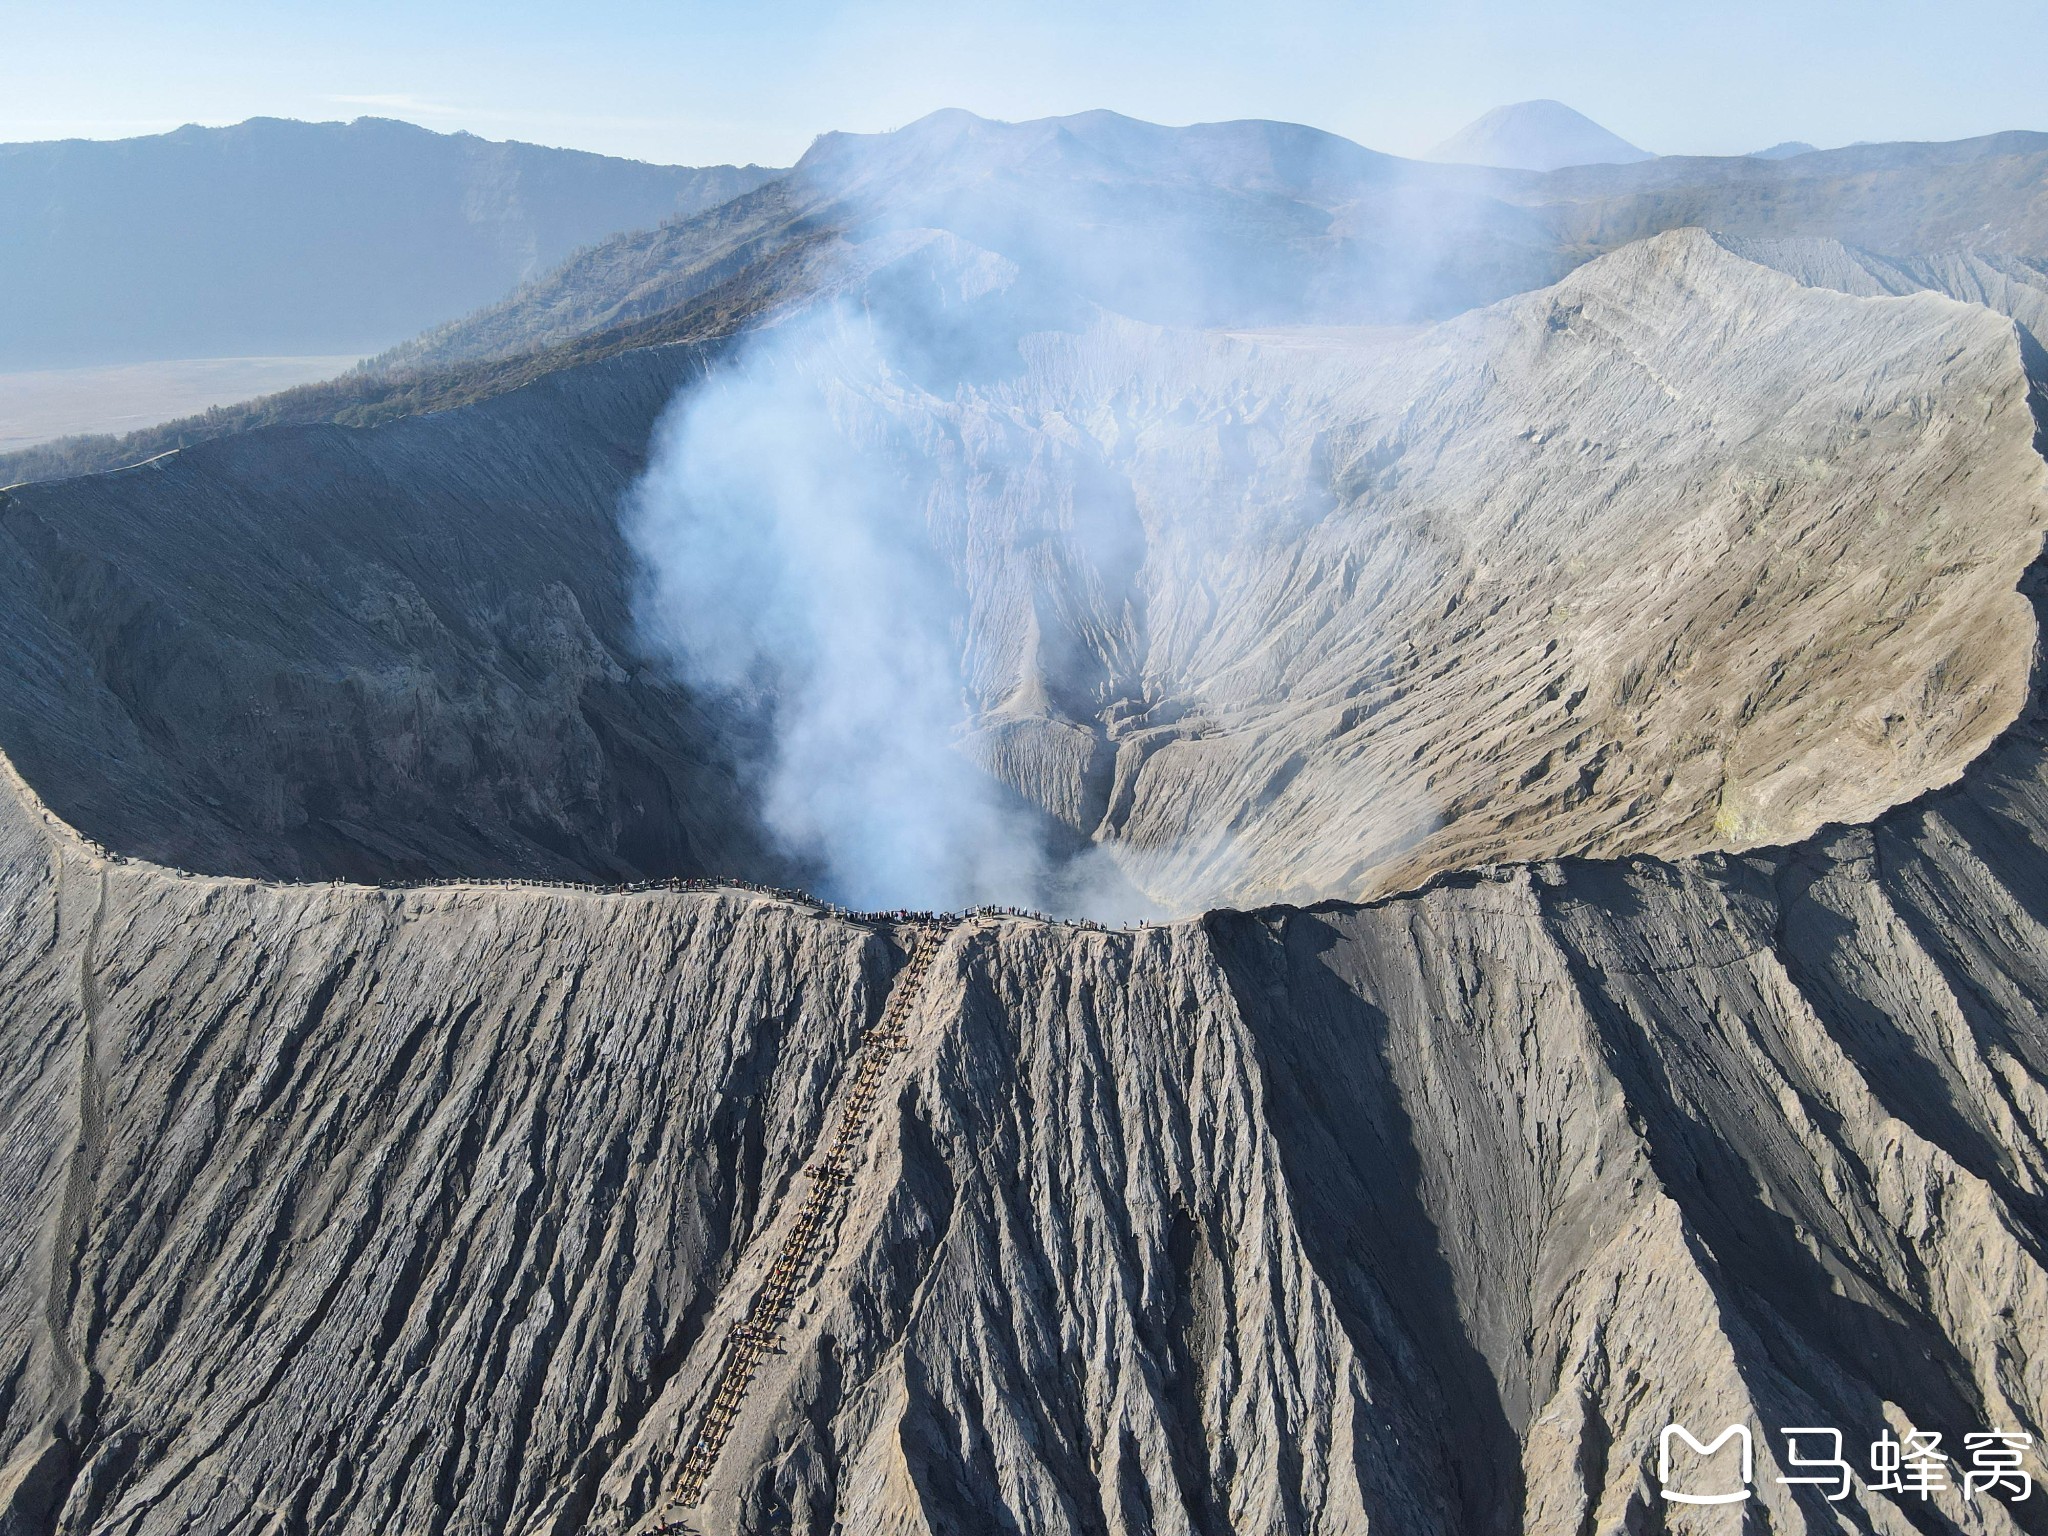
(1305, 227)
(273, 237)
(1308, 227)
(2015, 286)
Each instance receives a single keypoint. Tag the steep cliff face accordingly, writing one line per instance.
(339, 1209)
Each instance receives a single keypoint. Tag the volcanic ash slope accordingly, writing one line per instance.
(344, 1210)
(1677, 554)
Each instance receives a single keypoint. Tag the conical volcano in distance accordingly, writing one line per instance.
(1536, 136)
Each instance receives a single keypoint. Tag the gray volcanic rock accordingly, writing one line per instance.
(2015, 286)
(343, 1209)
(1238, 223)
(1989, 193)
(351, 1210)
(1248, 223)
(1316, 612)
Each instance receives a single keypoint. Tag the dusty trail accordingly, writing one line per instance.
(831, 1176)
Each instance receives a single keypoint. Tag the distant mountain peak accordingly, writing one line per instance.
(1783, 151)
(1536, 136)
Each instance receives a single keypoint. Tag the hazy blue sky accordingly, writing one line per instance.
(680, 81)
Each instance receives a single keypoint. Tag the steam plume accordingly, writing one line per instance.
(913, 575)
(791, 568)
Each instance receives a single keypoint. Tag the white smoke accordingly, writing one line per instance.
(846, 536)
(791, 568)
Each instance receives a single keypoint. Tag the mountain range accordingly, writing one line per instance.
(276, 238)
(1241, 223)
